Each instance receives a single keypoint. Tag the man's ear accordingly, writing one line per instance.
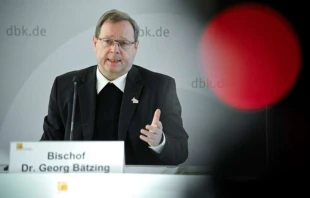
(137, 45)
(94, 41)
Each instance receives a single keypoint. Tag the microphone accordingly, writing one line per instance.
(75, 81)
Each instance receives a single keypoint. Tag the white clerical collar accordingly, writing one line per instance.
(103, 81)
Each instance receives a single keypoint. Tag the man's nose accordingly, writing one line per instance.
(115, 48)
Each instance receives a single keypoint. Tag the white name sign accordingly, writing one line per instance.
(67, 157)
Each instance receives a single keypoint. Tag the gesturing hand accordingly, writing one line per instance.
(154, 132)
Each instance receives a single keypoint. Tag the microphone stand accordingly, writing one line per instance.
(73, 109)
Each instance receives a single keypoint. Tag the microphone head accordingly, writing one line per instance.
(78, 80)
(75, 79)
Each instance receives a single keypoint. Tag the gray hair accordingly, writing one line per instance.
(116, 16)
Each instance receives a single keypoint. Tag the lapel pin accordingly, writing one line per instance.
(135, 101)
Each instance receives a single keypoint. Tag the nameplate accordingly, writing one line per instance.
(67, 157)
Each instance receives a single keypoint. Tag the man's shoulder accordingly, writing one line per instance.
(76, 73)
(149, 75)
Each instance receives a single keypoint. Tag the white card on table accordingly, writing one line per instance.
(67, 157)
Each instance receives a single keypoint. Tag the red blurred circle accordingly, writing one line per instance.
(250, 56)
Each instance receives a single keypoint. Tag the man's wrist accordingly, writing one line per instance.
(162, 138)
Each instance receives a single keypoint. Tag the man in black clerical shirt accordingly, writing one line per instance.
(118, 100)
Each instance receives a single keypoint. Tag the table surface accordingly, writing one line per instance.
(156, 181)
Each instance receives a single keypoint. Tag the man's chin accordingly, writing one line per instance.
(113, 68)
(114, 71)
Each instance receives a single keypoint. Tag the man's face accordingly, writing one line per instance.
(115, 59)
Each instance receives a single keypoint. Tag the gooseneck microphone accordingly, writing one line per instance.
(75, 81)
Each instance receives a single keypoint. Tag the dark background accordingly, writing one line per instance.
(273, 160)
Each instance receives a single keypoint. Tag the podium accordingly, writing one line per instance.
(136, 181)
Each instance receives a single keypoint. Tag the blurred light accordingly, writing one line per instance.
(254, 52)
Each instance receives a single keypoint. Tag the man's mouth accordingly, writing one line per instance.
(114, 60)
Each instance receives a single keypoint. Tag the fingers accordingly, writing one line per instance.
(153, 129)
(152, 136)
(148, 137)
(156, 117)
(159, 125)
(145, 139)
(153, 133)
(151, 141)
(148, 134)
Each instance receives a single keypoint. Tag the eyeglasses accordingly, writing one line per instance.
(121, 43)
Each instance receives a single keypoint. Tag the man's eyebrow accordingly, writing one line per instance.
(124, 38)
(111, 37)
